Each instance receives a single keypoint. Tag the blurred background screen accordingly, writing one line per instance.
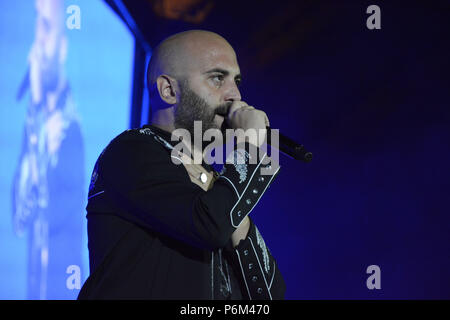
(65, 91)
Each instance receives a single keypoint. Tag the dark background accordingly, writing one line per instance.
(372, 105)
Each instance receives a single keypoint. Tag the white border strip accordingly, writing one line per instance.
(237, 193)
(243, 274)
(262, 271)
(268, 184)
(243, 192)
(273, 275)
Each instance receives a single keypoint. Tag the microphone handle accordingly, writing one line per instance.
(286, 145)
(290, 147)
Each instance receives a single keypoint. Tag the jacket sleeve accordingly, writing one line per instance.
(136, 179)
(258, 271)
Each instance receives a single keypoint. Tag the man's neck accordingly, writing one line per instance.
(164, 119)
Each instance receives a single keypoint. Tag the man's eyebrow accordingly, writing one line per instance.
(224, 72)
(218, 70)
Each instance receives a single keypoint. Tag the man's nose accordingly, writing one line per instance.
(233, 93)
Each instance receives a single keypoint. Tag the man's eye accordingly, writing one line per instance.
(218, 79)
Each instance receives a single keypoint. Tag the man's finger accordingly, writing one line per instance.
(235, 106)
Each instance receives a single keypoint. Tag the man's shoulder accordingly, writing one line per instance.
(132, 152)
(143, 138)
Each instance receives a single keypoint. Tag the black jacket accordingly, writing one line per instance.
(154, 234)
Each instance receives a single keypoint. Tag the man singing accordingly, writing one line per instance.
(160, 227)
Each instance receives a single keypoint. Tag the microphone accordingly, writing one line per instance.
(286, 145)
(290, 148)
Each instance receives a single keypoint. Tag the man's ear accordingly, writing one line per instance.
(167, 89)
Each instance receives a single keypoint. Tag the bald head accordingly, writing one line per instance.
(192, 76)
(183, 53)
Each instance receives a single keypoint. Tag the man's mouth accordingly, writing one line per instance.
(222, 110)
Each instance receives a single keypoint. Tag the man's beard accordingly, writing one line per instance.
(194, 108)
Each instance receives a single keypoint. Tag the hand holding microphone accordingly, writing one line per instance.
(241, 115)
